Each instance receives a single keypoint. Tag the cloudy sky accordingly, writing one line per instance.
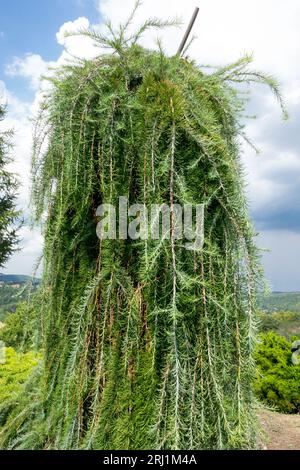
(32, 39)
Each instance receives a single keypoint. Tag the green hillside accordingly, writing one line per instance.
(10, 297)
(15, 279)
(13, 290)
(280, 301)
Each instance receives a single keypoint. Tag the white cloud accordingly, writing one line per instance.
(32, 241)
(18, 119)
(70, 27)
(78, 46)
(32, 67)
(25, 260)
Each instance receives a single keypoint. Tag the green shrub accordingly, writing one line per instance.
(18, 331)
(15, 372)
(277, 381)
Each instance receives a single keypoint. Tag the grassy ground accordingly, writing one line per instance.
(281, 432)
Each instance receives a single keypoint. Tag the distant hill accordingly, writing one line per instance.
(280, 302)
(16, 279)
(14, 288)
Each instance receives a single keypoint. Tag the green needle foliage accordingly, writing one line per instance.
(147, 345)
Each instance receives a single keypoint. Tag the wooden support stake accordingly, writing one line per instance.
(187, 33)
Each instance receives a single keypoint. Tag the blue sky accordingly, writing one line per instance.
(29, 26)
(32, 40)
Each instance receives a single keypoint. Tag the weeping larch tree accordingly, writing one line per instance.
(147, 345)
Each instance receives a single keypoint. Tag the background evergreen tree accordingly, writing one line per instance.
(8, 212)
